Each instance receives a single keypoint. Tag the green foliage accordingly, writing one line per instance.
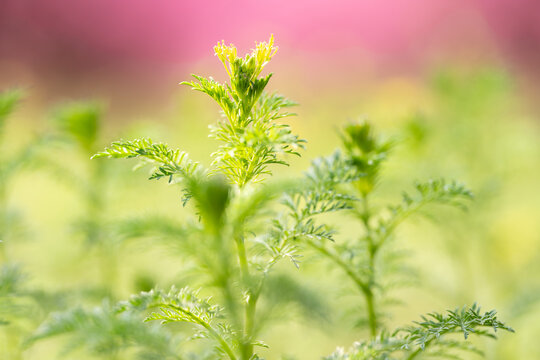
(8, 101)
(12, 160)
(319, 194)
(79, 127)
(82, 122)
(348, 181)
(365, 265)
(103, 331)
(106, 333)
(466, 320)
(437, 191)
(19, 307)
(185, 305)
(428, 338)
(169, 163)
(251, 140)
(11, 280)
(22, 308)
(365, 153)
(230, 209)
(240, 230)
(172, 164)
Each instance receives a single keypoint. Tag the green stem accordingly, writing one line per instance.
(342, 264)
(252, 308)
(251, 303)
(372, 249)
(364, 287)
(220, 339)
(249, 326)
(365, 215)
(368, 295)
(225, 346)
(372, 315)
(242, 258)
(416, 352)
(220, 268)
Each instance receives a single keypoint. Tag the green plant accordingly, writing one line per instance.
(11, 161)
(428, 338)
(229, 245)
(108, 334)
(79, 126)
(366, 259)
(231, 206)
(371, 262)
(243, 226)
(471, 108)
(20, 307)
(100, 330)
(81, 122)
(14, 305)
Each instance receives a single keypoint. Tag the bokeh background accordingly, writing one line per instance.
(456, 81)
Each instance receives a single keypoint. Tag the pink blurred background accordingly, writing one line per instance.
(140, 49)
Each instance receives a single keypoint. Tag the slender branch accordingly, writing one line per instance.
(342, 264)
(415, 353)
(208, 327)
(364, 287)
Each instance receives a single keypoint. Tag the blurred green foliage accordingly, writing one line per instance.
(473, 128)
